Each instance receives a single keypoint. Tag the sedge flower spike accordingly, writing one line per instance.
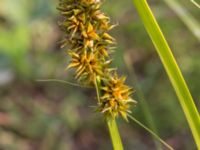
(89, 44)
(115, 97)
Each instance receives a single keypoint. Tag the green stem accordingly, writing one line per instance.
(171, 68)
(112, 125)
(114, 134)
(195, 3)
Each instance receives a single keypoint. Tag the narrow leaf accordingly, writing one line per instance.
(151, 132)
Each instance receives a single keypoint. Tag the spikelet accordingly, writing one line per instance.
(89, 44)
(115, 97)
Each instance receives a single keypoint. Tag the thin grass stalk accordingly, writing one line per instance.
(112, 125)
(151, 132)
(171, 68)
(195, 3)
(143, 103)
(192, 24)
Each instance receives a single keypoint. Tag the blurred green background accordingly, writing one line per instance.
(55, 116)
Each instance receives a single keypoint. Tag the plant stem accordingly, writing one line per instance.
(114, 134)
(195, 3)
(112, 125)
(171, 68)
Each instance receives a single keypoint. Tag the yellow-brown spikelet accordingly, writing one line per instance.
(88, 65)
(115, 99)
(83, 18)
(86, 36)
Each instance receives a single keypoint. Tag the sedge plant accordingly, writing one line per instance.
(90, 46)
(171, 67)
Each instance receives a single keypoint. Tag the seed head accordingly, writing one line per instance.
(86, 36)
(115, 97)
(86, 30)
(88, 65)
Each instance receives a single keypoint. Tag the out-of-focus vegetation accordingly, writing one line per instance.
(50, 115)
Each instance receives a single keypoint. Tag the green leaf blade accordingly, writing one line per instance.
(171, 68)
